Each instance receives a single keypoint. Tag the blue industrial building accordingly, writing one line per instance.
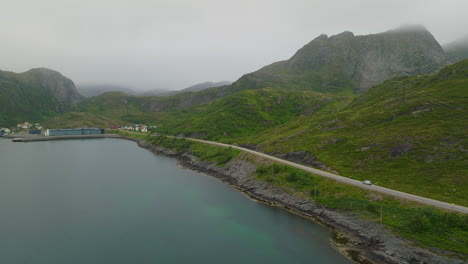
(34, 132)
(74, 131)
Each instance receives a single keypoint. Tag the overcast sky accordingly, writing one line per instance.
(147, 44)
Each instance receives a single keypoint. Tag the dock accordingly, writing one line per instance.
(47, 138)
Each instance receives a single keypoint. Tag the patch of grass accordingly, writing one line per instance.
(80, 119)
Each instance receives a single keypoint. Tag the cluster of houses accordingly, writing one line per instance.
(21, 127)
(137, 127)
(27, 125)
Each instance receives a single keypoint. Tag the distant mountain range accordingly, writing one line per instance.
(95, 90)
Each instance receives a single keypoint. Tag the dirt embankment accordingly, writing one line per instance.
(362, 241)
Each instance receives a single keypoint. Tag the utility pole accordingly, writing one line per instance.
(381, 214)
(315, 192)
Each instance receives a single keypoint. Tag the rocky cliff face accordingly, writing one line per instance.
(349, 63)
(59, 86)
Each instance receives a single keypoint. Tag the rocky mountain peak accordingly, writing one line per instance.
(61, 87)
(344, 34)
(410, 28)
(345, 62)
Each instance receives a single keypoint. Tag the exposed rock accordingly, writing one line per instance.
(304, 158)
(374, 197)
(250, 146)
(197, 135)
(401, 149)
(62, 88)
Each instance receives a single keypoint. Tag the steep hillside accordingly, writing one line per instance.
(408, 133)
(458, 50)
(346, 63)
(80, 119)
(34, 95)
(117, 106)
(120, 105)
(243, 113)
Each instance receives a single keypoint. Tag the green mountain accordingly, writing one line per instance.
(243, 113)
(346, 63)
(408, 133)
(118, 105)
(458, 50)
(341, 64)
(34, 95)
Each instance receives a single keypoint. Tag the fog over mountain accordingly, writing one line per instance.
(458, 49)
(162, 44)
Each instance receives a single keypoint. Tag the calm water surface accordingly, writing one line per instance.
(109, 201)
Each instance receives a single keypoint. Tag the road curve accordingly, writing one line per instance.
(391, 192)
(359, 184)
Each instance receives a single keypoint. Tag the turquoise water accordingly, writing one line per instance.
(109, 201)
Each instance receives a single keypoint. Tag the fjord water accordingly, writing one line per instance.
(109, 201)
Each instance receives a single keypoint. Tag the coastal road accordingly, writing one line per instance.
(383, 190)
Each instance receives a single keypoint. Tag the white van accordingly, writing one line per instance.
(367, 182)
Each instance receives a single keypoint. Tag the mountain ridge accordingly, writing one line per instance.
(345, 63)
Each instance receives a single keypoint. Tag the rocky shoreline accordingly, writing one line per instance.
(362, 241)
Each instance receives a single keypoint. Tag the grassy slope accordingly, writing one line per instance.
(408, 134)
(119, 107)
(244, 113)
(80, 119)
(145, 109)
